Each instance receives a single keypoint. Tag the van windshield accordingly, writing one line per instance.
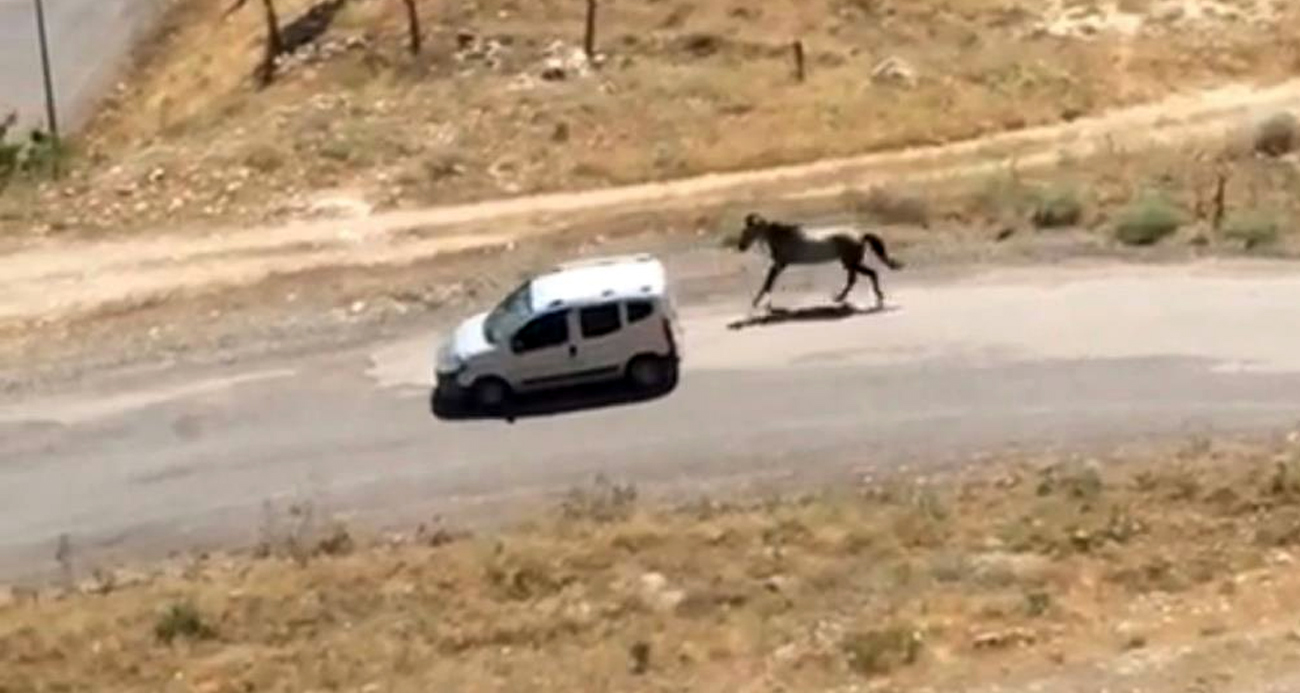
(509, 315)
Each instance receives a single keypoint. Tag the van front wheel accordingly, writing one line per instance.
(651, 373)
(490, 394)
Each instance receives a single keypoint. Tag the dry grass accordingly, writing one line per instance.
(686, 88)
(1134, 198)
(918, 581)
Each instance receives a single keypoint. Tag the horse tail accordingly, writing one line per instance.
(877, 245)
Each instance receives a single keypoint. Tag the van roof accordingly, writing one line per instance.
(592, 280)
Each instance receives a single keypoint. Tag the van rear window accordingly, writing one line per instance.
(639, 310)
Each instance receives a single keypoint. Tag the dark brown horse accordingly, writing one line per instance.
(790, 244)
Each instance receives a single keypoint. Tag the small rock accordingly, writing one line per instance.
(357, 307)
(778, 584)
(654, 590)
(653, 582)
(1000, 639)
(894, 70)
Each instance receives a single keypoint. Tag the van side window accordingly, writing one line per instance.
(639, 310)
(598, 321)
(548, 330)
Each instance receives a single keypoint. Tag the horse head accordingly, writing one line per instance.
(755, 225)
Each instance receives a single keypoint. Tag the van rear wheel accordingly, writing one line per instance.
(650, 373)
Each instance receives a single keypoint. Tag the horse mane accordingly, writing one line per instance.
(779, 228)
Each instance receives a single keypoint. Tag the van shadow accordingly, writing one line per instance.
(824, 313)
(556, 402)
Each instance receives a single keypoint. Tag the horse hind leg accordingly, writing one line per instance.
(875, 283)
(848, 285)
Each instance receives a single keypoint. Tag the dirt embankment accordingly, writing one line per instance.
(1151, 569)
(54, 280)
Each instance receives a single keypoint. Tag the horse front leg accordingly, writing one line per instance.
(772, 274)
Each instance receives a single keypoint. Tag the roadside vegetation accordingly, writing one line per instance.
(1230, 195)
(1018, 569)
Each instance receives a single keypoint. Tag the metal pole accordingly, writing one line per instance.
(51, 114)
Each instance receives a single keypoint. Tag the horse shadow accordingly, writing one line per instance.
(823, 313)
(553, 402)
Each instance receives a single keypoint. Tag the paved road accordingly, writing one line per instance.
(88, 41)
(1073, 356)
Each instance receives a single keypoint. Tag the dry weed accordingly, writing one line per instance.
(815, 590)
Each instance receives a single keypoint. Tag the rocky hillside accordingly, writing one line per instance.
(501, 99)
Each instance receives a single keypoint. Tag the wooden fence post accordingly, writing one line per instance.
(799, 69)
(589, 39)
(413, 26)
(1220, 199)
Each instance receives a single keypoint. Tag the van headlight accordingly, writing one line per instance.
(448, 363)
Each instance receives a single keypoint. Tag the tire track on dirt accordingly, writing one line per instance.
(55, 280)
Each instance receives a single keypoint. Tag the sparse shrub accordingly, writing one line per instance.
(640, 656)
(603, 502)
(338, 542)
(700, 45)
(182, 620)
(1001, 197)
(1147, 220)
(1284, 482)
(1082, 482)
(1056, 208)
(1038, 603)
(879, 651)
(890, 206)
(1276, 136)
(265, 158)
(1281, 527)
(1155, 574)
(338, 150)
(923, 521)
(523, 577)
(1252, 229)
(950, 566)
(441, 165)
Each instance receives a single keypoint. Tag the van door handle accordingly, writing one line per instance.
(573, 350)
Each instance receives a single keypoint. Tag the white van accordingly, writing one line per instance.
(595, 320)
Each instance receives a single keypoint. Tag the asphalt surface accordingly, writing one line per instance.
(1038, 357)
(89, 40)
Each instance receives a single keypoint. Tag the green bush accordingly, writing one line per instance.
(1147, 220)
(1276, 136)
(879, 651)
(1056, 208)
(182, 621)
(37, 155)
(1252, 229)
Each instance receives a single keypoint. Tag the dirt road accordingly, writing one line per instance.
(1068, 356)
(51, 279)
